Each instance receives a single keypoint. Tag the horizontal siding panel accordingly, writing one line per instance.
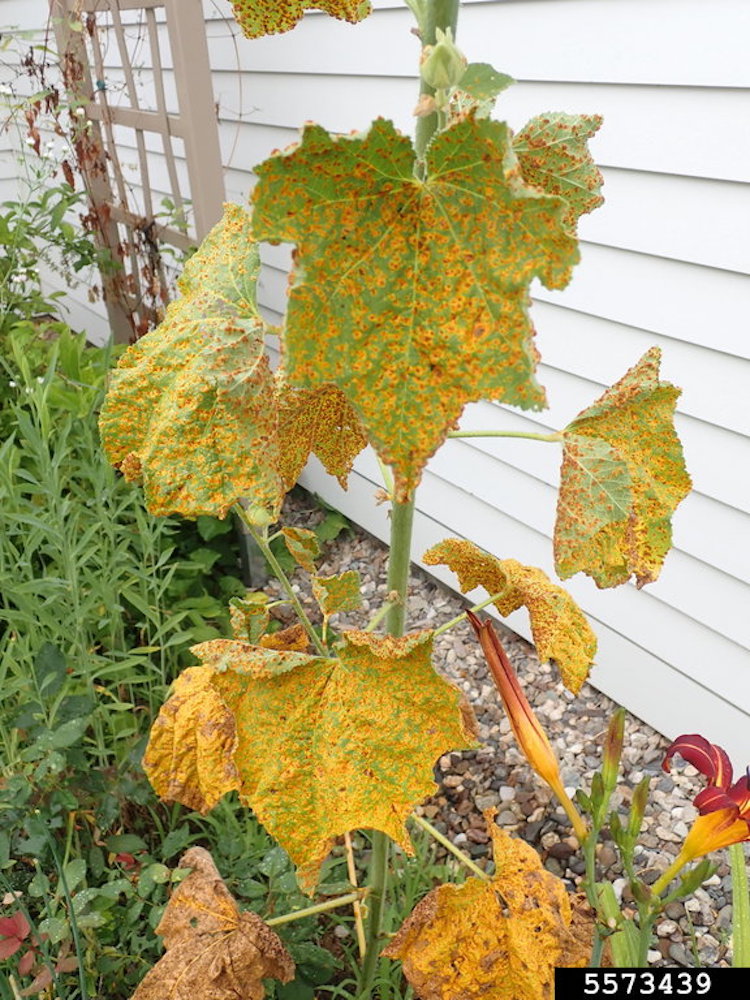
(687, 42)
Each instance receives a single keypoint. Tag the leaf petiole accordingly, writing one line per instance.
(310, 911)
(460, 618)
(555, 437)
(438, 836)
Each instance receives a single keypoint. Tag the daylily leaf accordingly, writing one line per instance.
(213, 951)
(622, 476)
(303, 546)
(553, 154)
(268, 17)
(374, 242)
(189, 757)
(558, 625)
(346, 742)
(191, 404)
(496, 940)
(336, 594)
(321, 421)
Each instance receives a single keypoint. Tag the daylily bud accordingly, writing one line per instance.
(442, 65)
(638, 807)
(613, 750)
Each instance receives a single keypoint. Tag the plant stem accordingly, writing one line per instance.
(357, 906)
(460, 618)
(441, 14)
(399, 561)
(740, 908)
(310, 911)
(438, 836)
(283, 579)
(555, 437)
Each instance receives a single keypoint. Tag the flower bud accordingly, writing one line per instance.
(613, 750)
(442, 65)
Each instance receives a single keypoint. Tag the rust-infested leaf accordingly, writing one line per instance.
(293, 639)
(336, 594)
(303, 546)
(497, 940)
(249, 616)
(375, 242)
(623, 474)
(269, 17)
(318, 421)
(558, 625)
(344, 743)
(189, 757)
(191, 405)
(213, 951)
(554, 156)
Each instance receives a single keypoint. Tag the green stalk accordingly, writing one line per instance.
(399, 562)
(740, 908)
(311, 911)
(441, 14)
(555, 437)
(438, 836)
(283, 579)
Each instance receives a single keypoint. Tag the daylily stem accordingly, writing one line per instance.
(579, 826)
(740, 908)
(666, 877)
(283, 579)
(438, 836)
(310, 911)
(555, 437)
(460, 618)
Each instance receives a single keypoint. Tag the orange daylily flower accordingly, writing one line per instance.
(527, 729)
(724, 806)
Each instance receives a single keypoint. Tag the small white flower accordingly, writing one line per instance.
(80, 112)
(30, 141)
(12, 384)
(40, 379)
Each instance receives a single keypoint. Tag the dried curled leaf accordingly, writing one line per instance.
(374, 241)
(347, 742)
(303, 546)
(623, 474)
(318, 421)
(213, 951)
(293, 638)
(269, 17)
(191, 405)
(553, 153)
(558, 625)
(190, 752)
(497, 940)
(336, 594)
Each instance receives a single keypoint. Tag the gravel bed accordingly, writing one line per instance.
(497, 775)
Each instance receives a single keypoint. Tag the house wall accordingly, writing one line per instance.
(664, 262)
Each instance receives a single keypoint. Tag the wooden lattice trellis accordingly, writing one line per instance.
(97, 41)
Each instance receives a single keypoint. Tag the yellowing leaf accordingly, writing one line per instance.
(213, 951)
(321, 421)
(497, 940)
(558, 625)
(623, 474)
(375, 246)
(292, 638)
(303, 546)
(267, 17)
(336, 594)
(191, 405)
(553, 153)
(249, 616)
(190, 751)
(331, 745)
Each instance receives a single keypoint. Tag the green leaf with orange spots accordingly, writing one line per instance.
(303, 546)
(249, 616)
(558, 625)
(554, 156)
(623, 474)
(191, 405)
(321, 421)
(499, 939)
(336, 594)
(268, 17)
(411, 294)
(330, 745)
